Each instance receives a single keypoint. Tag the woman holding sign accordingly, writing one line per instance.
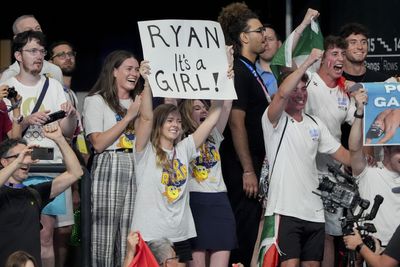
(212, 211)
(162, 162)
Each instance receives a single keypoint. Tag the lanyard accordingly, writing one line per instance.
(14, 185)
(255, 74)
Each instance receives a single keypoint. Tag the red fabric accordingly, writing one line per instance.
(341, 82)
(271, 257)
(5, 122)
(144, 257)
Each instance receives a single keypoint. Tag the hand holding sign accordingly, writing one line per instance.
(187, 59)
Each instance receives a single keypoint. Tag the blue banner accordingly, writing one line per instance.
(382, 114)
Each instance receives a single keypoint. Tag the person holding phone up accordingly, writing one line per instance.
(20, 205)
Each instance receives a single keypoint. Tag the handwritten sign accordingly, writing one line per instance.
(187, 59)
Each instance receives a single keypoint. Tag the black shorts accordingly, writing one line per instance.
(183, 250)
(300, 239)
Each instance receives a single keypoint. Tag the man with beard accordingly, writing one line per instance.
(242, 151)
(62, 54)
(28, 48)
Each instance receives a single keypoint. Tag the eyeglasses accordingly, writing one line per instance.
(35, 51)
(259, 30)
(63, 55)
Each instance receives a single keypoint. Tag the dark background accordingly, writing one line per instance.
(98, 30)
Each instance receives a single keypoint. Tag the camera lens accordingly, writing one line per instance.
(326, 185)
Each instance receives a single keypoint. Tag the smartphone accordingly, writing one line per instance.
(55, 116)
(46, 153)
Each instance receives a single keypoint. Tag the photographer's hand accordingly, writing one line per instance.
(38, 118)
(352, 241)
(68, 108)
(3, 91)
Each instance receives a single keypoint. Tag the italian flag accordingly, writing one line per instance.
(309, 39)
(269, 251)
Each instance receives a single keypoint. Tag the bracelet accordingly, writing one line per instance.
(358, 116)
(248, 172)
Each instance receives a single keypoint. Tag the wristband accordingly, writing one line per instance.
(358, 116)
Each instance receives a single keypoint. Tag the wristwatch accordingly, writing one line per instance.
(18, 119)
(358, 116)
(359, 246)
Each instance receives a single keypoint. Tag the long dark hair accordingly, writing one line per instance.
(106, 85)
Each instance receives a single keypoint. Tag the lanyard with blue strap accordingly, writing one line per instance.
(14, 185)
(255, 74)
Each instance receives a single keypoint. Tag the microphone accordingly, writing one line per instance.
(396, 190)
(374, 210)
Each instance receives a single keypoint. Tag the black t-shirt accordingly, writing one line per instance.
(252, 100)
(20, 220)
(393, 247)
(368, 76)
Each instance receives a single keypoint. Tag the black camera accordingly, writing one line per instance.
(342, 193)
(12, 93)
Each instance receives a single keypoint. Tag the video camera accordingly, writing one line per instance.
(344, 193)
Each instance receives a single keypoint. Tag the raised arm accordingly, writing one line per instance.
(279, 102)
(144, 124)
(132, 242)
(310, 15)
(358, 161)
(226, 109)
(223, 120)
(205, 128)
(73, 167)
(21, 160)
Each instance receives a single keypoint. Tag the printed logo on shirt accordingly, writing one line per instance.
(314, 133)
(126, 140)
(173, 180)
(343, 102)
(200, 167)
